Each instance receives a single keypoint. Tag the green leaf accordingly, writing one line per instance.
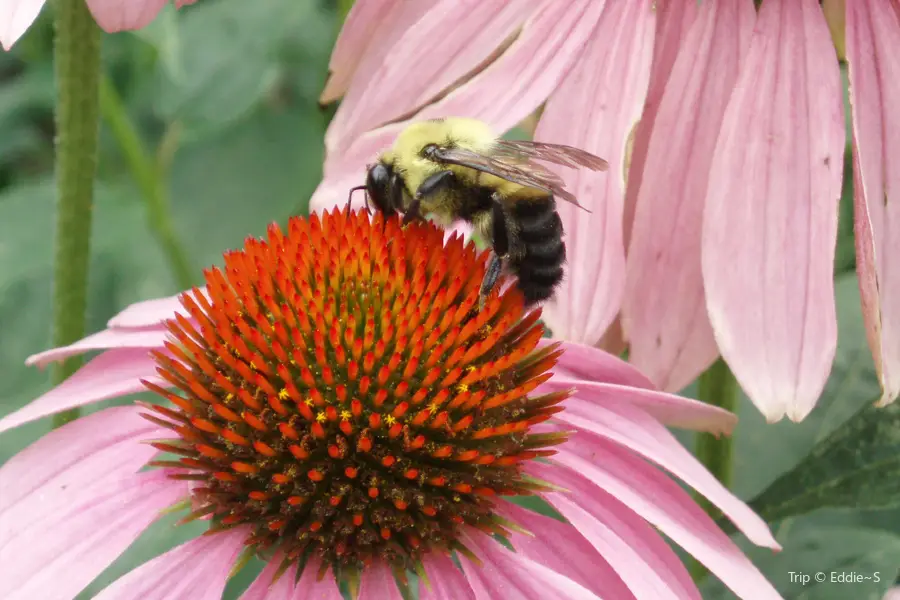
(233, 184)
(226, 59)
(814, 546)
(857, 466)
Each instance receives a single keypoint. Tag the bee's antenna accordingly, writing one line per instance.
(350, 197)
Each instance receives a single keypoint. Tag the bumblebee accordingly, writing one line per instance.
(459, 169)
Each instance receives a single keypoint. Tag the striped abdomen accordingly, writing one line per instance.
(537, 251)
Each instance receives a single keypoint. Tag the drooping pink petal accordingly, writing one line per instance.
(595, 108)
(669, 409)
(662, 502)
(151, 337)
(561, 547)
(505, 574)
(503, 94)
(197, 569)
(369, 31)
(664, 312)
(593, 364)
(77, 491)
(447, 581)
(770, 220)
(121, 15)
(378, 582)
(149, 313)
(263, 588)
(673, 20)
(639, 555)
(16, 16)
(114, 373)
(637, 431)
(453, 38)
(873, 55)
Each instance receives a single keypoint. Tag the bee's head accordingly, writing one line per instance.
(384, 187)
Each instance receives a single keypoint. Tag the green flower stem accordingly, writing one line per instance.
(148, 176)
(76, 53)
(719, 388)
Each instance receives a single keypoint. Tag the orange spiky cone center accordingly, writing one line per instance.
(341, 392)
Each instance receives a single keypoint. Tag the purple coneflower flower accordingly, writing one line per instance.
(714, 232)
(334, 402)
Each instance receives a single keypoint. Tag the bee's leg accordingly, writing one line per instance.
(350, 197)
(433, 183)
(491, 276)
(500, 244)
(412, 211)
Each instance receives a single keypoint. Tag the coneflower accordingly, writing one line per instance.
(335, 402)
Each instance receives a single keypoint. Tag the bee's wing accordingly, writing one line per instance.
(514, 161)
(557, 154)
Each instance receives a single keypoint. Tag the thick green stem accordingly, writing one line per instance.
(719, 388)
(149, 177)
(77, 60)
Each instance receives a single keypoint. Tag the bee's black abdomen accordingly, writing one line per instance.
(539, 263)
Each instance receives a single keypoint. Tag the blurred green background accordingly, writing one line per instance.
(217, 102)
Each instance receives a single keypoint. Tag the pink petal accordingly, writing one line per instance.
(389, 92)
(637, 431)
(561, 547)
(16, 16)
(595, 108)
(664, 311)
(79, 492)
(516, 84)
(103, 340)
(642, 488)
(447, 581)
(503, 94)
(79, 451)
(770, 220)
(369, 31)
(121, 15)
(309, 588)
(378, 582)
(591, 364)
(506, 574)
(149, 312)
(873, 43)
(262, 587)
(892, 594)
(112, 374)
(197, 569)
(83, 535)
(634, 549)
(673, 19)
(668, 409)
